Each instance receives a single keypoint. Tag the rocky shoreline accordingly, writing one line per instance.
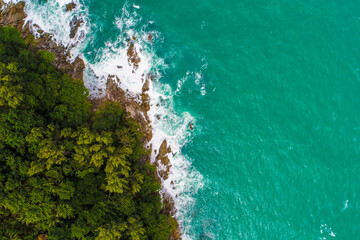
(14, 15)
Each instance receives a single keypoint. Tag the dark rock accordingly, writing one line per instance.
(169, 207)
(133, 57)
(70, 7)
(79, 66)
(145, 102)
(74, 25)
(164, 173)
(164, 159)
(145, 87)
(162, 149)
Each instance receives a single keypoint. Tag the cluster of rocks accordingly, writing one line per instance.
(133, 57)
(71, 6)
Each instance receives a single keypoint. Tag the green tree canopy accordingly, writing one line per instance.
(65, 171)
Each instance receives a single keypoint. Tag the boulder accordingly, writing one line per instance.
(74, 25)
(132, 54)
(79, 67)
(146, 87)
(70, 7)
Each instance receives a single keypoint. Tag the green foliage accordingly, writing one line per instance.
(65, 171)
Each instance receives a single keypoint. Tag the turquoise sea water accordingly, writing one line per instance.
(273, 88)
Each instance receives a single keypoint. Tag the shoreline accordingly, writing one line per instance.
(14, 15)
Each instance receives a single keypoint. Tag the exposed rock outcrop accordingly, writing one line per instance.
(164, 150)
(12, 15)
(150, 37)
(70, 7)
(75, 23)
(133, 57)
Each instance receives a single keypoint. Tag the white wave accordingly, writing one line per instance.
(114, 61)
(52, 17)
(10, 1)
(198, 80)
(180, 83)
(184, 180)
(326, 230)
(203, 90)
(136, 6)
(198, 77)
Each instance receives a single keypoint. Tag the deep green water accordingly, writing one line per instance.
(274, 88)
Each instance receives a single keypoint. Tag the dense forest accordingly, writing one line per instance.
(67, 172)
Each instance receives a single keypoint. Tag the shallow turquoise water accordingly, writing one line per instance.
(274, 87)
